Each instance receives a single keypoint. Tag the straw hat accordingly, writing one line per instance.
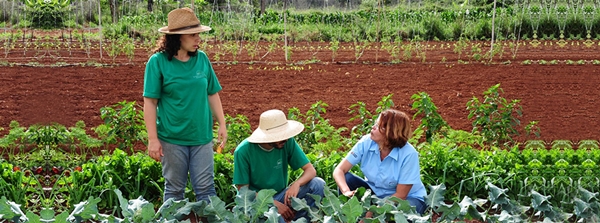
(183, 21)
(274, 127)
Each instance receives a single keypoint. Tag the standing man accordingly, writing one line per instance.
(261, 162)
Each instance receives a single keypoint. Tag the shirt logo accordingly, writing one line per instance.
(355, 156)
(279, 164)
(391, 184)
(198, 75)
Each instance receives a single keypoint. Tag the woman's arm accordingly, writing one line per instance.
(154, 147)
(217, 109)
(339, 175)
(402, 191)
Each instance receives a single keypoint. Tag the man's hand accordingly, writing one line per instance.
(292, 191)
(367, 215)
(284, 211)
(155, 150)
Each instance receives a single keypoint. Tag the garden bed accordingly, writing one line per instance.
(555, 81)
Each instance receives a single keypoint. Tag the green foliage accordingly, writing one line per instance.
(15, 184)
(15, 139)
(318, 136)
(459, 159)
(496, 118)
(137, 175)
(450, 160)
(238, 129)
(366, 118)
(47, 135)
(126, 123)
(431, 120)
(324, 165)
(55, 135)
(46, 14)
(224, 176)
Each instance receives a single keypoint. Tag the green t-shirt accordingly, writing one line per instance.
(266, 170)
(182, 89)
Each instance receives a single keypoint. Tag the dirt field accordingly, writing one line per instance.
(561, 96)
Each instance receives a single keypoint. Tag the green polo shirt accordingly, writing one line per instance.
(182, 89)
(260, 169)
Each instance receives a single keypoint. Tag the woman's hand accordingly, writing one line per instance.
(222, 136)
(349, 193)
(155, 150)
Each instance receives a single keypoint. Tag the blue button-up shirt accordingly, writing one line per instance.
(401, 166)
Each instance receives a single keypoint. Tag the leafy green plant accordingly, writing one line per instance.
(496, 118)
(233, 48)
(114, 49)
(252, 48)
(136, 175)
(319, 134)
(431, 121)
(334, 46)
(47, 14)
(460, 46)
(359, 49)
(224, 177)
(366, 118)
(14, 140)
(81, 140)
(238, 129)
(393, 49)
(126, 123)
(15, 184)
(47, 135)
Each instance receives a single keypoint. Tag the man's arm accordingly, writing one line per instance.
(308, 174)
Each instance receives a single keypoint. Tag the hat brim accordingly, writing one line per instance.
(290, 130)
(194, 30)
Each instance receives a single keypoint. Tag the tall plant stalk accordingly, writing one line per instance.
(493, 29)
(285, 43)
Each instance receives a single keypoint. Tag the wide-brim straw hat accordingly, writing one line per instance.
(274, 127)
(183, 21)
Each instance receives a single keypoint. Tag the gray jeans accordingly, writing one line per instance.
(179, 161)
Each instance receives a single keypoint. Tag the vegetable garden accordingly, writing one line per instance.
(503, 95)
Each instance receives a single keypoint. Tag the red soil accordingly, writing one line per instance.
(562, 96)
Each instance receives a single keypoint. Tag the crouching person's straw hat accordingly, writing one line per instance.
(274, 127)
(183, 21)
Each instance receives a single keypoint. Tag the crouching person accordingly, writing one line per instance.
(262, 160)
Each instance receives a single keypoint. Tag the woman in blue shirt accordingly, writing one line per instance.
(389, 163)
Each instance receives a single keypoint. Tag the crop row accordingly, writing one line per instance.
(52, 166)
(250, 206)
(73, 47)
(242, 21)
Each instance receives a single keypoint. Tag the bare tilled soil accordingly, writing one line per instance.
(556, 82)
